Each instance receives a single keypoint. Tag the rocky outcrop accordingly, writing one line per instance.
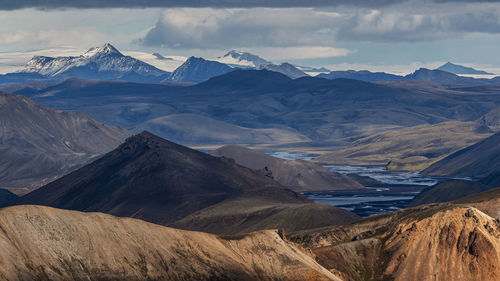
(433, 242)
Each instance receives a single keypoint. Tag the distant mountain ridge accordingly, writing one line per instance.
(363, 75)
(422, 74)
(459, 69)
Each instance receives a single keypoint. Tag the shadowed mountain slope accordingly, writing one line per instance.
(6, 196)
(478, 160)
(448, 191)
(39, 144)
(299, 175)
(41, 243)
(161, 182)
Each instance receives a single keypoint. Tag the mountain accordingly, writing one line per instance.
(242, 59)
(411, 148)
(443, 77)
(161, 182)
(100, 63)
(362, 75)
(299, 175)
(39, 144)
(448, 191)
(198, 70)
(195, 129)
(459, 69)
(6, 196)
(476, 161)
(284, 68)
(447, 241)
(41, 243)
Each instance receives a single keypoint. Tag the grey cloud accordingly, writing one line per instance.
(388, 26)
(257, 27)
(83, 4)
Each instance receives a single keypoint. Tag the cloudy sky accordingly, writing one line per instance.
(396, 36)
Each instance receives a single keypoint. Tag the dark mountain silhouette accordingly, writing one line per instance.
(39, 144)
(363, 75)
(161, 182)
(460, 69)
(448, 191)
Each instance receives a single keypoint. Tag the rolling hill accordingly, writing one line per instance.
(161, 182)
(196, 129)
(299, 175)
(412, 148)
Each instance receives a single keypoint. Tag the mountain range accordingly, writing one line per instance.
(161, 182)
(107, 63)
(333, 112)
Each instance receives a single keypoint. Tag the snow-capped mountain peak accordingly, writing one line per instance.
(104, 63)
(242, 59)
(106, 49)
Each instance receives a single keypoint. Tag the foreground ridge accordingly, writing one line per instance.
(42, 243)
